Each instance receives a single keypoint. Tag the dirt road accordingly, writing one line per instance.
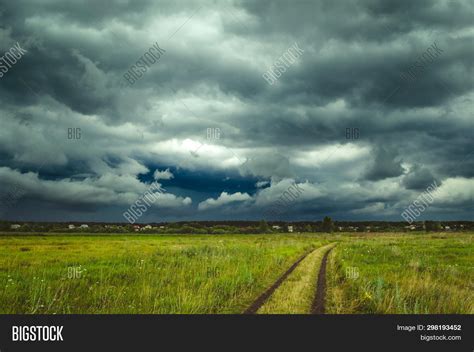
(318, 303)
(260, 301)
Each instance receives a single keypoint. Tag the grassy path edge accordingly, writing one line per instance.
(296, 293)
(318, 306)
(260, 301)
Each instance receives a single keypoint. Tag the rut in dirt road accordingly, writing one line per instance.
(318, 304)
(260, 301)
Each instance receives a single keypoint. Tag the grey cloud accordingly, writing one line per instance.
(386, 164)
(419, 178)
(211, 76)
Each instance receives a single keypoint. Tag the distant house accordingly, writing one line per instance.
(447, 228)
(71, 227)
(147, 227)
(15, 226)
(136, 227)
(162, 227)
(84, 226)
(276, 227)
(340, 228)
(290, 228)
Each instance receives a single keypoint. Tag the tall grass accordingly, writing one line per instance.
(223, 274)
(403, 274)
(144, 274)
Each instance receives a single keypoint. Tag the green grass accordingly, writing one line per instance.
(202, 274)
(402, 274)
(296, 293)
(142, 274)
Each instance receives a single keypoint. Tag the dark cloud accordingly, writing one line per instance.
(385, 165)
(419, 178)
(351, 74)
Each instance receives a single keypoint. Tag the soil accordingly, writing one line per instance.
(318, 303)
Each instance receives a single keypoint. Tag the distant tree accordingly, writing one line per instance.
(218, 231)
(328, 224)
(186, 229)
(432, 226)
(263, 226)
(4, 225)
(249, 229)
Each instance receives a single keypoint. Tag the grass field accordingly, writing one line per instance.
(206, 274)
(141, 274)
(401, 274)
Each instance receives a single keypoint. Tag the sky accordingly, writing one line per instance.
(356, 106)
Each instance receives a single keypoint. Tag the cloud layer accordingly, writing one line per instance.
(342, 121)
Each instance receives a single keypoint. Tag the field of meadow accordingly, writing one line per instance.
(198, 274)
(399, 274)
(209, 274)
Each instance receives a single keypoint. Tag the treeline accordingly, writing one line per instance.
(238, 227)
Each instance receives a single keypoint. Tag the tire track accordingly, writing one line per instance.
(260, 301)
(318, 306)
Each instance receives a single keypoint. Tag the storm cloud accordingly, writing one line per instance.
(82, 143)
